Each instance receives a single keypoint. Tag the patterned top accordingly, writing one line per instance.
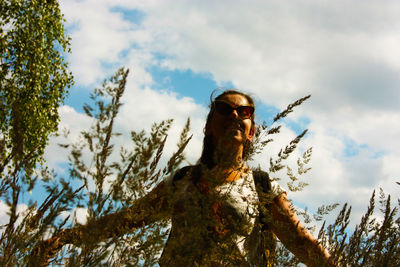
(214, 226)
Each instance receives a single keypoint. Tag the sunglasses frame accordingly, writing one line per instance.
(215, 103)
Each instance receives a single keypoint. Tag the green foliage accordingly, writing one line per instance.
(111, 182)
(290, 107)
(33, 83)
(107, 181)
(33, 77)
(374, 242)
(262, 137)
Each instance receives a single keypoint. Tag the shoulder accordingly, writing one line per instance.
(265, 185)
(181, 173)
(261, 179)
(191, 171)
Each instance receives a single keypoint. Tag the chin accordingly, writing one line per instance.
(233, 141)
(238, 139)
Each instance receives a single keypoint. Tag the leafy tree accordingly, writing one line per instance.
(33, 83)
(33, 77)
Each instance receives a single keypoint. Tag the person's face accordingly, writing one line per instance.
(230, 128)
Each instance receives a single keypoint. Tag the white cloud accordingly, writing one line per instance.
(4, 217)
(344, 53)
(72, 122)
(144, 107)
(140, 109)
(99, 37)
(79, 215)
(273, 46)
(3, 213)
(390, 175)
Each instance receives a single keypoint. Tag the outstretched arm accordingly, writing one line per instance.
(151, 208)
(287, 226)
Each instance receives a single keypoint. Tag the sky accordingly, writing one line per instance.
(344, 53)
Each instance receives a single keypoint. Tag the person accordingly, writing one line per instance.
(215, 219)
(223, 213)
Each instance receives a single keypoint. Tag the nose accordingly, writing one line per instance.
(234, 114)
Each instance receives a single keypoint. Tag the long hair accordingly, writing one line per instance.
(207, 155)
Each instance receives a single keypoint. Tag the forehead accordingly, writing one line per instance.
(235, 100)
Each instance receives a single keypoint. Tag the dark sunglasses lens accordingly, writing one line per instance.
(223, 108)
(245, 112)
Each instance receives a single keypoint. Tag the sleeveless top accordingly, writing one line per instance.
(220, 225)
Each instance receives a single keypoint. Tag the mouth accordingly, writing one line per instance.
(236, 127)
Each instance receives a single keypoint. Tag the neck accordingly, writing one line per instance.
(228, 156)
(228, 163)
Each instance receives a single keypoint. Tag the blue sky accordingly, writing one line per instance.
(344, 53)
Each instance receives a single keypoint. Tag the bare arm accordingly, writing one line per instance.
(151, 208)
(144, 211)
(287, 226)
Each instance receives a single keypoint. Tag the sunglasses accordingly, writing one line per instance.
(225, 109)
